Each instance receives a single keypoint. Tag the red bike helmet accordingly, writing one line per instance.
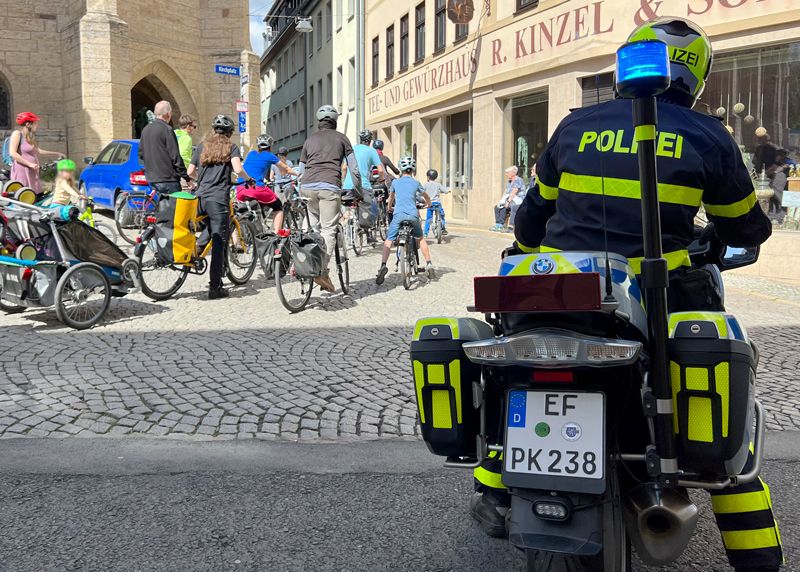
(27, 117)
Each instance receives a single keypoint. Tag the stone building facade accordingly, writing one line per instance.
(88, 67)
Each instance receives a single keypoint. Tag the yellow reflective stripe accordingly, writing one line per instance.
(750, 539)
(701, 421)
(644, 133)
(488, 478)
(452, 322)
(547, 192)
(440, 403)
(716, 317)
(733, 210)
(674, 260)
(527, 249)
(629, 189)
(455, 382)
(741, 502)
(675, 377)
(697, 378)
(723, 386)
(436, 373)
(419, 382)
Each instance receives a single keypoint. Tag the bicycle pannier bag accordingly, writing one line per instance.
(366, 218)
(308, 255)
(175, 228)
(265, 247)
(712, 369)
(443, 378)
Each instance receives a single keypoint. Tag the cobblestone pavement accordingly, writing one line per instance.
(245, 368)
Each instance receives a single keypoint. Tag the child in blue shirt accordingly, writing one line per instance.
(403, 196)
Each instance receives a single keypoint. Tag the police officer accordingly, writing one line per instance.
(589, 168)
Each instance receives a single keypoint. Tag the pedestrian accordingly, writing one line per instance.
(187, 125)
(163, 164)
(509, 202)
(26, 153)
(214, 161)
(321, 166)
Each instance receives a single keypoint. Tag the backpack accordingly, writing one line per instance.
(7, 160)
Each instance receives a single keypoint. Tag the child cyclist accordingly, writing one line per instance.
(434, 189)
(403, 196)
(65, 193)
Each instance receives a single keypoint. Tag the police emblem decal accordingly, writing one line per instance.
(543, 266)
(571, 431)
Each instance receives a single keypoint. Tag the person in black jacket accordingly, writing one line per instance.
(163, 165)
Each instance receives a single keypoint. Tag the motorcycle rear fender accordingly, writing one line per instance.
(581, 535)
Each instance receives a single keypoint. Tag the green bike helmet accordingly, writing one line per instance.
(65, 165)
(689, 54)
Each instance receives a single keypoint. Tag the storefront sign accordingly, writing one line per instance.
(549, 38)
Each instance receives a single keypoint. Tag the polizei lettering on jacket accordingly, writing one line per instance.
(621, 141)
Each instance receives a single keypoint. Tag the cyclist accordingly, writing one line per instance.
(388, 167)
(321, 166)
(367, 159)
(213, 162)
(699, 162)
(258, 165)
(433, 189)
(279, 177)
(404, 195)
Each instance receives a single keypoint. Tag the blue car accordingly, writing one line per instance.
(118, 168)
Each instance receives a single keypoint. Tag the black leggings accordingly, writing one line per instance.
(217, 226)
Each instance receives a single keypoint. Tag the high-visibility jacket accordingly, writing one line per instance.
(591, 158)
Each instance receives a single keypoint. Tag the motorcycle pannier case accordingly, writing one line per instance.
(443, 378)
(712, 369)
(175, 227)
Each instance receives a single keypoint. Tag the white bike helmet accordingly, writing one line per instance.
(407, 164)
(327, 112)
(264, 141)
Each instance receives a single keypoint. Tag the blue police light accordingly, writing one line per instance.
(642, 69)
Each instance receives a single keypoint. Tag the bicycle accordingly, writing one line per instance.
(158, 279)
(131, 212)
(437, 225)
(87, 217)
(382, 224)
(407, 262)
(355, 235)
(294, 291)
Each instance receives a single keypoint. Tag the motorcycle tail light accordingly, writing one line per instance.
(548, 376)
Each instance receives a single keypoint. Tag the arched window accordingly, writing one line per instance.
(5, 104)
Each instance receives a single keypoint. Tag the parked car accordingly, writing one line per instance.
(118, 168)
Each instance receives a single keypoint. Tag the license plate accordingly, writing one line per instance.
(556, 440)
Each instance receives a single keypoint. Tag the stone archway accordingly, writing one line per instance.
(6, 104)
(156, 81)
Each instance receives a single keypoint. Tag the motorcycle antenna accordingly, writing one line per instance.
(609, 283)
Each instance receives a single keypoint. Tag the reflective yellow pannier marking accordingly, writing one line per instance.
(733, 210)
(452, 322)
(740, 502)
(435, 373)
(701, 423)
(717, 318)
(644, 133)
(440, 402)
(697, 378)
(723, 384)
(750, 539)
(455, 381)
(547, 192)
(183, 236)
(628, 189)
(675, 376)
(419, 382)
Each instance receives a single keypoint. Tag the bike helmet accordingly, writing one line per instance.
(378, 144)
(365, 136)
(27, 117)
(264, 141)
(283, 151)
(690, 56)
(327, 112)
(222, 124)
(433, 174)
(65, 165)
(407, 164)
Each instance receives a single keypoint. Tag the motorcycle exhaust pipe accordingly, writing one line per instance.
(660, 522)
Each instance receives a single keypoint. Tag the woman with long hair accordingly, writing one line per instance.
(25, 151)
(213, 164)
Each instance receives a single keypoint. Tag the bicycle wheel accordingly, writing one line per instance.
(83, 295)
(383, 225)
(159, 281)
(405, 271)
(293, 292)
(242, 252)
(342, 263)
(358, 237)
(437, 221)
(106, 230)
(130, 220)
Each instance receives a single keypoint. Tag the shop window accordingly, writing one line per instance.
(462, 31)
(597, 89)
(419, 32)
(390, 51)
(406, 140)
(5, 104)
(376, 49)
(529, 130)
(440, 22)
(526, 4)
(404, 43)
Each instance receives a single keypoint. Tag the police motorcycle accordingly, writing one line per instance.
(603, 414)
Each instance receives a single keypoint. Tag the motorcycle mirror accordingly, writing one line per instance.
(738, 257)
(88, 160)
(642, 69)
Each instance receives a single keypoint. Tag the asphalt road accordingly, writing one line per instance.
(106, 504)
